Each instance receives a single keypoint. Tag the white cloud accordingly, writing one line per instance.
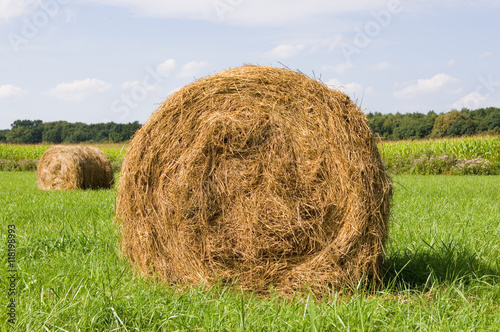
(239, 12)
(166, 67)
(485, 55)
(353, 89)
(450, 62)
(475, 100)
(425, 86)
(381, 66)
(284, 51)
(11, 91)
(13, 8)
(340, 68)
(272, 13)
(78, 90)
(192, 68)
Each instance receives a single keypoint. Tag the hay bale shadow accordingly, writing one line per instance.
(440, 263)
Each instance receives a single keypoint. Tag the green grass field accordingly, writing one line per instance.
(443, 269)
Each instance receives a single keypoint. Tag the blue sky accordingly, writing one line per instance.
(115, 60)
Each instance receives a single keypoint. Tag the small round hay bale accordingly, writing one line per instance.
(259, 176)
(74, 167)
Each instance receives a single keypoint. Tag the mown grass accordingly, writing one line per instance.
(443, 269)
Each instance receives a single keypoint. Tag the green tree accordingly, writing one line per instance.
(25, 131)
(494, 121)
(129, 129)
(453, 123)
(76, 136)
(52, 131)
(3, 135)
(115, 137)
(414, 125)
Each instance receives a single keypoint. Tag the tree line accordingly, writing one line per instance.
(483, 121)
(37, 131)
(388, 126)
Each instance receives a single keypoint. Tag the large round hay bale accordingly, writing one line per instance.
(74, 167)
(259, 176)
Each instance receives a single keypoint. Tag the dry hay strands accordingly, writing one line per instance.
(74, 167)
(257, 175)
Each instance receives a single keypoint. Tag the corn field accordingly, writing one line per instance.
(467, 155)
(487, 147)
